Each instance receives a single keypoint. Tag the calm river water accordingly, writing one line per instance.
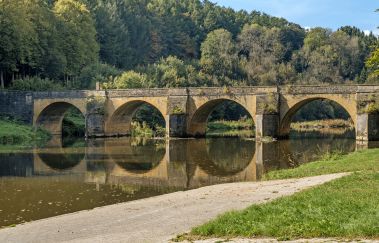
(83, 175)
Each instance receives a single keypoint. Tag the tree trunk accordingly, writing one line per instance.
(2, 79)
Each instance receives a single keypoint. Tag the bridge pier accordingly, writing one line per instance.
(367, 127)
(176, 125)
(267, 125)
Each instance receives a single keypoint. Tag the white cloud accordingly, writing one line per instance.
(375, 32)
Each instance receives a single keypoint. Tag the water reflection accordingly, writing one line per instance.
(71, 176)
(136, 156)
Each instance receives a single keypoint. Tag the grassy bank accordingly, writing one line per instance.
(365, 160)
(345, 208)
(19, 135)
(336, 124)
(244, 128)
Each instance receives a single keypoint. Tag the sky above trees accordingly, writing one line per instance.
(312, 13)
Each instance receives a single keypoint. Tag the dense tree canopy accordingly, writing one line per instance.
(171, 43)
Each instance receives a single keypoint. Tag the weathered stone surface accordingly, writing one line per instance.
(177, 125)
(186, 110)
(17, 105)
(267, 125)
(367, 128)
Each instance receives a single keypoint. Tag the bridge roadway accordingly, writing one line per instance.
(186, 110)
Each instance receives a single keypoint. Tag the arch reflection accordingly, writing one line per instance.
(59, 156)
(136, 155)
(222, 157)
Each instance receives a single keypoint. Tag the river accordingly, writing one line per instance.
(81, 175)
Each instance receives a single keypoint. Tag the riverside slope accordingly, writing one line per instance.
(157, 219)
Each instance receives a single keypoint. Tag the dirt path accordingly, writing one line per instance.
(156, 219)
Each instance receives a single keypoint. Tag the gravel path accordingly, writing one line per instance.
(156, 219)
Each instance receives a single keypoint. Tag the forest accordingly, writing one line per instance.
(73, 44)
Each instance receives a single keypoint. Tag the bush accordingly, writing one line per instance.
(98, 72)
(144, 130)
(73, 124)
(128, 80)
(36, 84)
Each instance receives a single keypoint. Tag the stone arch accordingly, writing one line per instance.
(119, 122)
(51, 116)
(198, 121)
(286, 120)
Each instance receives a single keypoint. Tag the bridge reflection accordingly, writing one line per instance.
(179, 164)
(68, 177)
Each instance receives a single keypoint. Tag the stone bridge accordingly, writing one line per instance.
(186, 110)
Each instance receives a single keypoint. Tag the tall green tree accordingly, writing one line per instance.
(219, 57)
(329, 57)
(112, 33)
(78, 33)
(17, 38)
(265, 54)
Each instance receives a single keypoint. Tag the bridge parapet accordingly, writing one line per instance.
(232, 91)
(319, 89)
(186, 110)
(368, 89)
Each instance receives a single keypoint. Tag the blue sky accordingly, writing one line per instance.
(311, 13)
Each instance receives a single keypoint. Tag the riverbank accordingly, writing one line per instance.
(156, 219)
(333, 126)
(240, 128)
(16, 135)
(346, 208)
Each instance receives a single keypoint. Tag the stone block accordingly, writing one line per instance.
(267, 125)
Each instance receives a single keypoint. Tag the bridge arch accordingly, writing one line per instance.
(294, 106)
(119, 122)
(51, 116)
(198, 121)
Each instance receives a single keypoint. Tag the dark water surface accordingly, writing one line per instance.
(77, 176)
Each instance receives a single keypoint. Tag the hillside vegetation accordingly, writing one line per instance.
(170, 43)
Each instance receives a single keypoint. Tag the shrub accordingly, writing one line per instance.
(128, 80)
(98, 72)
(36, 84)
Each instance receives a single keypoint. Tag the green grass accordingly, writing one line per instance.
(357, 161)
(344, 208)
(241, 128)
(334, 123)
(18, 135)
(231, 125)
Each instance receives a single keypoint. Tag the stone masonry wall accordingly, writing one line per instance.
(17, 105)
